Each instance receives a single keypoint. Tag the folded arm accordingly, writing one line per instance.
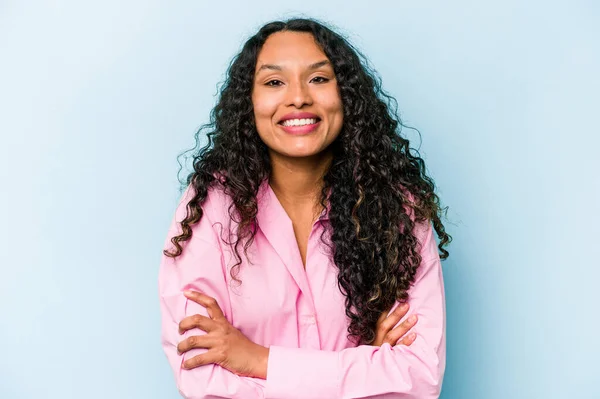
(414, 371)
(400, 371)
(198, 268)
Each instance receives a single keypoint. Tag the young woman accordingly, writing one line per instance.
(304, 235)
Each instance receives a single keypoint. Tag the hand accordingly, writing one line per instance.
(227, 346)
(385, 331)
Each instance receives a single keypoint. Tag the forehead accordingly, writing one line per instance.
(290, 47)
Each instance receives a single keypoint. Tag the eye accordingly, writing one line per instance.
(271, 81)
(323, 80)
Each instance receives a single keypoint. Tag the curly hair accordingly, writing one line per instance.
(376, 187)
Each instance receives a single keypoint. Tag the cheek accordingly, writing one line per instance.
(336, 116)
(264, 109)
(264, 106)
(332, 104)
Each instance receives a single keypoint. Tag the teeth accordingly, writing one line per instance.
(299, 122)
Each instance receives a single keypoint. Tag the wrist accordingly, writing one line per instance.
(262, 361)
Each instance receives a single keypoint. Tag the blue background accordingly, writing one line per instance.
(98, 98)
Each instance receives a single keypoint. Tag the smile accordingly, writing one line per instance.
(299, 122)
(299, 126)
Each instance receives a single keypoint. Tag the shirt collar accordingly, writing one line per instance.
(266, 198)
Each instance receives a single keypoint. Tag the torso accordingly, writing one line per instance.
(302, 229)
(286, 299)
(303, 217)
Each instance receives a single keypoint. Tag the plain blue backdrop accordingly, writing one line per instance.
(98, 98)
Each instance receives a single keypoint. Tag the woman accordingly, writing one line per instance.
(302, 236)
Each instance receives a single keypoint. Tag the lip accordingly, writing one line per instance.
(300, 129)
(299, 115)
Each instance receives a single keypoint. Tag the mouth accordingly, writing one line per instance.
(299, 122)
(300, 126)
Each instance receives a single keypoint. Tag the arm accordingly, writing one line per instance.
(198, 268)
(407, 372)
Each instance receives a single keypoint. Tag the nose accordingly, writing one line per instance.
(298, 94)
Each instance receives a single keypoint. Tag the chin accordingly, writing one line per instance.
(299, 153)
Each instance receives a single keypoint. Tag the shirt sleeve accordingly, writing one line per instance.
(200, 268)
(407, 372)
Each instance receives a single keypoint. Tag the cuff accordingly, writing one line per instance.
(297, 373)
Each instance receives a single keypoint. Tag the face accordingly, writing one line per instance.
(294, 81)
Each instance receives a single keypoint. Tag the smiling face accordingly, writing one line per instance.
(294, 79)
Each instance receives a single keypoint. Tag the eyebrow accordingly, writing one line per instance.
(274, 67)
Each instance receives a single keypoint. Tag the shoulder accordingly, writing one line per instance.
(423, 228)
(215, 206)
(408, 201)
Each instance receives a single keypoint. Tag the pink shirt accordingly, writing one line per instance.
(298, 313)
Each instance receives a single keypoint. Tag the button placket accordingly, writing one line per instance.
(312, 336)
(308, 319)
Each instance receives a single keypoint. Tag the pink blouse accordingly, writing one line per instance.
(298, 313)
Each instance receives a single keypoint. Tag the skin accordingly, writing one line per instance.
(299, 163)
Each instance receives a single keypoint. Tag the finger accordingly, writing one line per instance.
(400, 311)
(196, 321)
(388, 312)
(390, 321)
(200, 360)
(196, 342)
(210, 303)
(408, 339)
(383, 316)
(401, 329)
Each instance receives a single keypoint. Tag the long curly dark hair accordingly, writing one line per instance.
(374, 178)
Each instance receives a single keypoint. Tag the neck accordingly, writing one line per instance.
(299, 181)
